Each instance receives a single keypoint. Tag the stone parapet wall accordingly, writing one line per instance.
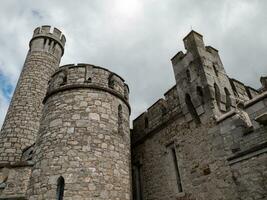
(88, 76)
(156, 115)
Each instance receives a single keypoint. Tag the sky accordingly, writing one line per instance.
(136, 39)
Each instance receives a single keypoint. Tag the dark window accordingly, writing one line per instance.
(215, 70)
(228, 99)
(200, 94)
(175, 162)
(137, 182)
(175, 176)
(119, 118)
(249, 93)
(188, 75)
(191, 109)
(60, 188)
(217, 94)
(111, 81)
(146, 122)
(89, 80)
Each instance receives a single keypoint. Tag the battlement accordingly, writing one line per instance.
(82, 75)
(47, 37)
(156, 115)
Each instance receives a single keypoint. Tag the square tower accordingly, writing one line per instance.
(203, 86)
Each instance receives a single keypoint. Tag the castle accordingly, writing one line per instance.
(66, 134)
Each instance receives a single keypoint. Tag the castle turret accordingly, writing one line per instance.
(21, 124)
(83, 147)
(203, 86)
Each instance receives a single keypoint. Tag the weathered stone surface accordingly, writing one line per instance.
(206, 139)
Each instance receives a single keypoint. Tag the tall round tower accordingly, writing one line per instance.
(83, 146)
(21, 124)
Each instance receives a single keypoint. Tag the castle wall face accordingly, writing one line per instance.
(209, 143)
(21, 124)
(201, 163)
(84, 137)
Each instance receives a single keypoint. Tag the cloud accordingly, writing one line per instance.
(137, 38)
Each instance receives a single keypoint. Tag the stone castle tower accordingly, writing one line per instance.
(73, 121)
(21, 124)
(66, 134)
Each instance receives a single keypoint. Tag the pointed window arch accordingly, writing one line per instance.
(215, 70)
(228, 99)
(60, 188)
(200, 94)
(217, 94)
(191, 108)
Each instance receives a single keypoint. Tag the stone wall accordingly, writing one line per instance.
(21, 124)
(202, 163)
(14, 181)
(84, 137)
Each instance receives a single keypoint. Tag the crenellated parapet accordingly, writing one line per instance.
(87, 76)
(46, 38)
(161, 112)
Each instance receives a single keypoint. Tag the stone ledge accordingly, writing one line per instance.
(83, 86)
(248, 153)
(13, 198)
(17, 164)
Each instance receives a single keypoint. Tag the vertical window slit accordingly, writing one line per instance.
(137, 183)
(120, 118)
(217, 95)
(60, 188)
(188, 75)
(176, 167)
(227, 100)
(146, 122)
(191, 109)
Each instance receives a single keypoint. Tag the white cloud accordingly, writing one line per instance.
(137, 38)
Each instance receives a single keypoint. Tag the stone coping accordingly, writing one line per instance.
(83, 86)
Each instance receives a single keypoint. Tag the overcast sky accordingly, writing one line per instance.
(136, 39)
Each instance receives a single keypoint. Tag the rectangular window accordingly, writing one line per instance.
(137, 184)
(172, 152)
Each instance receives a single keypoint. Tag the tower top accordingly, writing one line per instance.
(193, 40)
(47, 31)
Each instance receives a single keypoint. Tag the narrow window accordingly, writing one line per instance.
(200, 94)
(233, 87)
(89, 80)
(215, 70)
(217, 94)
(63, 77)
(137, 184)
(111, 81)
(119, 118)
(188, 75)
(173, 156)
(60, 188)
(146, 122)
(248, 93)
(163, 110)
(228, 99)
(191, 108)
(44, 42)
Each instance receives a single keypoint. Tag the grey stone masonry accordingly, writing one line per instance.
(84, 137)
(207, 139)
(21, 124)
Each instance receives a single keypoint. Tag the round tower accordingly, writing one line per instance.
(83, 146)
(21, 124)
